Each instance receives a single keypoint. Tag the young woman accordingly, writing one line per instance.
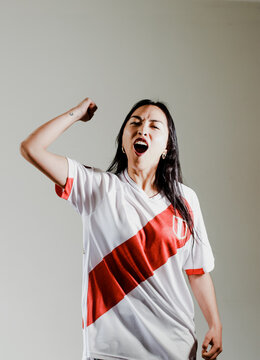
(143, 230)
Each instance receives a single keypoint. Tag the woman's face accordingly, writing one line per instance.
(150, 123)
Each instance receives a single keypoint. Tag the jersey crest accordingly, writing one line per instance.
(180, 227)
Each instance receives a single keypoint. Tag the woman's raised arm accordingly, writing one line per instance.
(34, 147)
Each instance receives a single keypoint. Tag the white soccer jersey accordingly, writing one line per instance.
(136, 304)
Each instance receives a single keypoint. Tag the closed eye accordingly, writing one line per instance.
(136, 123)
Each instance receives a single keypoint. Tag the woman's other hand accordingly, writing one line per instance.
(213, 338)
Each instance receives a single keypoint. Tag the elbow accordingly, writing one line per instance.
(22, 147)
(24, 150)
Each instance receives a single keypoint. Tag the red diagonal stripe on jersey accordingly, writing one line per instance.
(132, 262)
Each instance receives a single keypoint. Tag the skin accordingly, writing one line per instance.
(203, 289)
(142, 168)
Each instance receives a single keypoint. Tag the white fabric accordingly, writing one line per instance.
(152, 311)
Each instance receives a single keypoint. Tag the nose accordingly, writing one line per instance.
(141, 130)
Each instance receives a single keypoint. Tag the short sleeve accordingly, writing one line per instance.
(82, 186)
(200, 258)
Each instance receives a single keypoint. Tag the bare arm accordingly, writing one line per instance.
(47, 133)
(203, 289)
(34, 147)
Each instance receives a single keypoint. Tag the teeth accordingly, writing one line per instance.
(141, 142)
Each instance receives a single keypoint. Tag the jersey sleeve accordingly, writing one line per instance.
(200, 258)
(82, 186)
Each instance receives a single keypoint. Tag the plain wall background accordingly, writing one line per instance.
(202, 59)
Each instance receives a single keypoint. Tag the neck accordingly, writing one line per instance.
(144, 178)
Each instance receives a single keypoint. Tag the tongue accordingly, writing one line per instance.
(140, 148)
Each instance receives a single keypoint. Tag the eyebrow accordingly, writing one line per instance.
(139, 118)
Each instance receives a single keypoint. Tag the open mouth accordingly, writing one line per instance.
(140, 148)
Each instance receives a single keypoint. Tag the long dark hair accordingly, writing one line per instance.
(168, 174)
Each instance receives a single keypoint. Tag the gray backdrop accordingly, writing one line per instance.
(202, 59)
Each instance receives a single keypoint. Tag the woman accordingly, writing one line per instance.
(142, 230)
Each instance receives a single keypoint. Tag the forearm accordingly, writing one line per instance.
(204, 292)
(47, 133)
